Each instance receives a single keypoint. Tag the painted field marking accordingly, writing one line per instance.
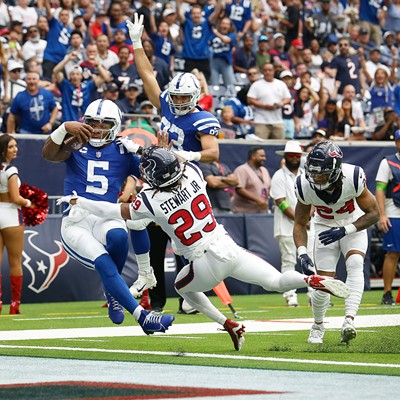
(202, 355)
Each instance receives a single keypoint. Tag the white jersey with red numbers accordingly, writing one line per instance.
(340, 207)
(184, 214)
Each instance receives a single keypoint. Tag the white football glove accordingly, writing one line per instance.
(67, 199)
(188, 155)
(135, 30)
(129, 144)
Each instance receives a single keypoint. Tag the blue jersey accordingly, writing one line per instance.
(221, 49)
(369, 10)
(75, 100)
(195, 45)
(164, 48)
(183, 130)
(33, 110)
(57, 41)
(381, 96)
(239, 13)
(348, 71)
(99, 173)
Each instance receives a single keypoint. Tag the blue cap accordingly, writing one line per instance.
(263, 38)
(397, 135)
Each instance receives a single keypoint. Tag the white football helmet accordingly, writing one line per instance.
(183, 84)
(106, 113)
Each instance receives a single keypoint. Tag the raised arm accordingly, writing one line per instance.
(180, 15)
(143, 65)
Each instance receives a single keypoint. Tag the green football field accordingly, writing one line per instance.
(82, 330)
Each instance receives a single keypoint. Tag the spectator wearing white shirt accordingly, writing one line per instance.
(268, 96)
(22, 12)
(34, 46)
(374, 62)
(16, 83)
(349, 92)
(4, 16)
(107, 57)
(283, 194)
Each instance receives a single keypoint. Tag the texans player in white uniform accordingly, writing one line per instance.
(344, 208)
(191, 131)
(175, 197)
(97, 171)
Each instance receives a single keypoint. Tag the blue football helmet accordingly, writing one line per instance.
(323, 165)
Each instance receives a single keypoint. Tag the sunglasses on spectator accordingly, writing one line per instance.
(293, 154)
(16, 70)
(343, 45)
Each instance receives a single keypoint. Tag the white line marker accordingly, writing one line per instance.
(202, 355)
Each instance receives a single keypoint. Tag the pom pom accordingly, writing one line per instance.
(38, 213)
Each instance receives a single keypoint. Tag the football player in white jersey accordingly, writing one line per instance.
(344, 208)
(190, 130)
(175, 197)
(97, 171)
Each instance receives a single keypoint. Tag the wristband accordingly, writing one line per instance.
(223, 178)
(283, 205)
(28, 203)
(350, 229)
(381, 186)
(196, 155)
(301, 251)
(59, 134)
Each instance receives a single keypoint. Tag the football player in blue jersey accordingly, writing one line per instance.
(191, 130)
(97, 171)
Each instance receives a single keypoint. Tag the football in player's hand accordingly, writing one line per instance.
(71, 143)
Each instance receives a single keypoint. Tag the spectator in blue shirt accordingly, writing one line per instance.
(197, 33)
(239, 12)
(222, 42)
(57, 40)
(34, 109)
(77, 95)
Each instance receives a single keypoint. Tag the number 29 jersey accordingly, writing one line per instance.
(329, 210)
(184, 214)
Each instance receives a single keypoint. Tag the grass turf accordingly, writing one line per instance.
(375, 350)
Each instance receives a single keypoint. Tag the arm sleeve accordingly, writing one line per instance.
(102, 209)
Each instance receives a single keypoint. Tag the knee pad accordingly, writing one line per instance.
(117, 239)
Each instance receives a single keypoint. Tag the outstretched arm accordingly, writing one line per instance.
(143, 65)
(102, 209)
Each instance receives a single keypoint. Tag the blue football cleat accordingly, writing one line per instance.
(115, 310)
(151, 322)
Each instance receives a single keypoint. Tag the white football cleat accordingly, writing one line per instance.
(291, 298)
(143, 282)
(317, 332)
(348, 331)
(328, 285)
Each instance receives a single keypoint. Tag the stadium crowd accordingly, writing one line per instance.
(330, 64)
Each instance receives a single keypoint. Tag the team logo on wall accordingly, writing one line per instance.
(42, 265)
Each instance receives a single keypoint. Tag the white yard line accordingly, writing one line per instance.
(204, 355)
(252, 326)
